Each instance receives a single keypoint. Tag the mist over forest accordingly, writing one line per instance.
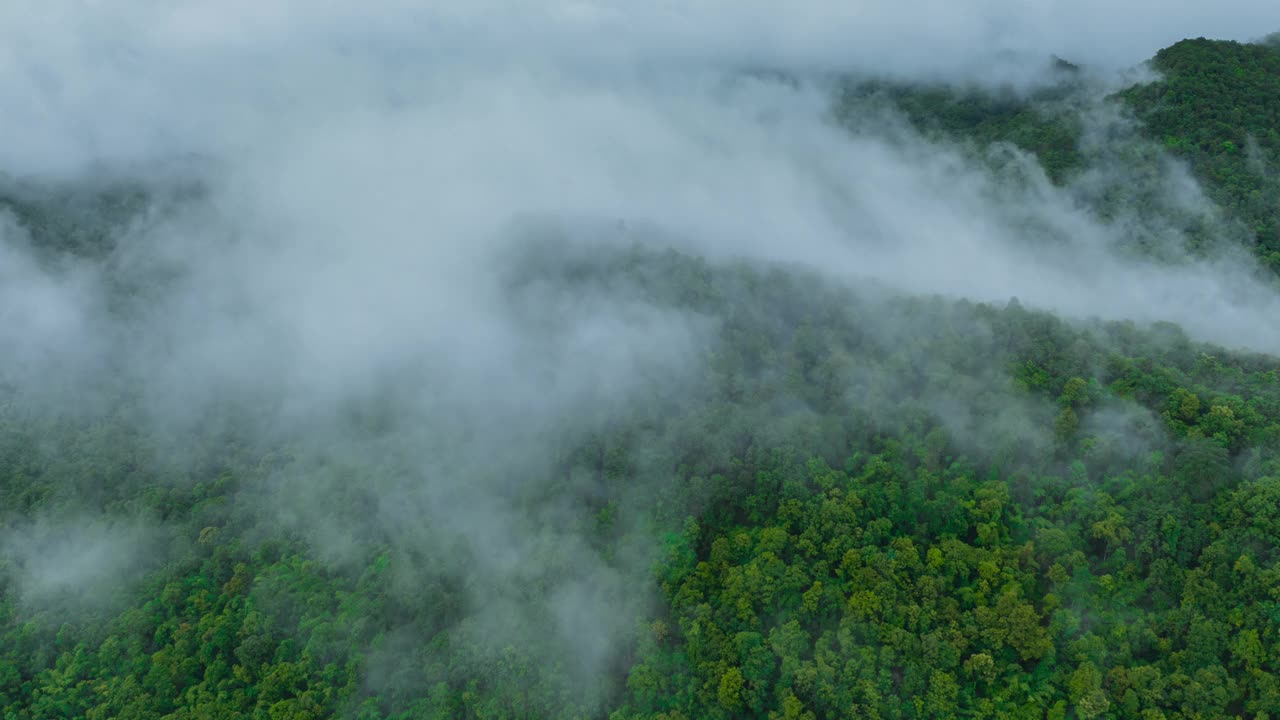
(607, 360)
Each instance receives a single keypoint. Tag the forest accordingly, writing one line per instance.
(846, 500)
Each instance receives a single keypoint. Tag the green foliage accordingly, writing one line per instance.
(1034, 123)
(1217, 105)
(872, 506)
(833, 542)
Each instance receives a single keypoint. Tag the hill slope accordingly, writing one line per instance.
(844, 501)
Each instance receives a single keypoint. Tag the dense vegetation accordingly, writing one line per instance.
(1038, 122)
(1217, 104)
(1213, 104)
(869, 506)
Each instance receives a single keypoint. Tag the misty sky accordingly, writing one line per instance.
(364, 169)
(106, 80)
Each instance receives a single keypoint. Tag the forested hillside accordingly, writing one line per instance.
(1217, 105)
(847, 500)
(1213, 104)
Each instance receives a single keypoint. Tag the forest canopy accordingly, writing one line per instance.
(640, 477)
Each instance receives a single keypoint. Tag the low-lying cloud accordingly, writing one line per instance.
(367, 183)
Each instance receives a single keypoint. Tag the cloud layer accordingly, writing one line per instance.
(368, 181)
